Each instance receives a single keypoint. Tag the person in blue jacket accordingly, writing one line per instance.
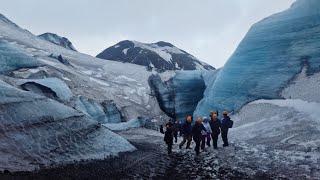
(186, 131)
(225, 125)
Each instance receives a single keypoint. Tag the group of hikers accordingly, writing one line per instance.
(202, 131)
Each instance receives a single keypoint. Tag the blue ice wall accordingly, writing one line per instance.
(179, 96)
(189, 87)
(272, 53)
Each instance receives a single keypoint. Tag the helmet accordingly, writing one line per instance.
(225, 113)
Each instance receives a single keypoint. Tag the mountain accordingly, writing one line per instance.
(58, 40)
(272, 54)
(160, 55)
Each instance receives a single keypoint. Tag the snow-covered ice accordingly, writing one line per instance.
(134, 123)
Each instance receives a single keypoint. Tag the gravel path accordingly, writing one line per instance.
(150, 161)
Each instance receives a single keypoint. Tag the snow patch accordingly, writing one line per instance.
(124, 51)
(163, 52)
(310, 108)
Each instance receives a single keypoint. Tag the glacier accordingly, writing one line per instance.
(272, 53)
(58, 87)
(12, 58)
(179, 95)
(37, 131)
(43, 122)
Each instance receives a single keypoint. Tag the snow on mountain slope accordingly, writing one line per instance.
(273, 52)
(58, 40)
(161, 55)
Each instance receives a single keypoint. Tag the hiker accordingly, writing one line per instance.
(197, 134)
(206, 135)
(168, 136)
(161, 129)
(176, 129)
(186, 131)
(226, 123)
(215, 129)
(214, 112)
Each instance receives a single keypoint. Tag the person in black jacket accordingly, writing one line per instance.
(186, 131)
(215, 127)
(176, 129)
(168, 136)
(197, 134)
(161, 129)
(225, 125)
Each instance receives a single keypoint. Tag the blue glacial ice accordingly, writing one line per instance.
(272, 53)
(58, 87)
(37, 131)
(12, 58)
(180, 95)
(105, 112)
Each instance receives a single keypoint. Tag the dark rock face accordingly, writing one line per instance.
(58, 40)
(180, 95)
(61, 59)
(161, 55)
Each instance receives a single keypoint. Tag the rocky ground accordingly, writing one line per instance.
(150, 161)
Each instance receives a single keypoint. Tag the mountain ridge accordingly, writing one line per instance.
(160, 55)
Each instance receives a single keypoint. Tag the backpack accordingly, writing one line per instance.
(230, 123)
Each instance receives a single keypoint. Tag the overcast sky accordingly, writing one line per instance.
(208, 29)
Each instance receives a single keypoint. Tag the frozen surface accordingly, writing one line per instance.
(104, 112)
(37, 131)
(134, 123)
(312, 109)
(59, 87)
(209, 78)
(304, 87)
(179, 95)
(273, 52)
(282, 137)
(189, 87)
(12, 58)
